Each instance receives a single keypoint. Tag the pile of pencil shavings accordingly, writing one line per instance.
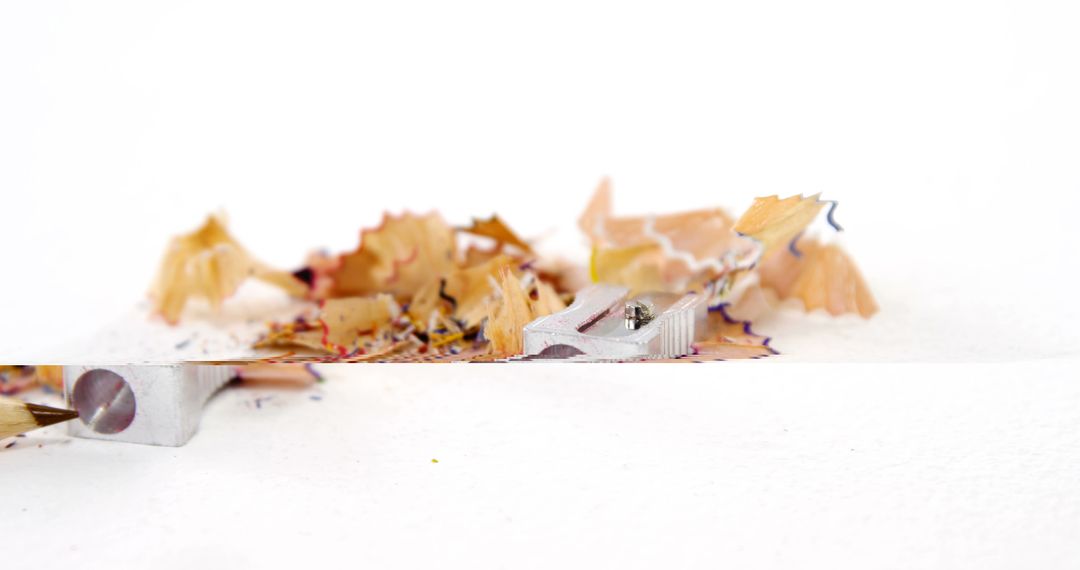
(417, 289)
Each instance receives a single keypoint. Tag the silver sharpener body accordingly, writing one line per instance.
(155, 404)
(605, 323)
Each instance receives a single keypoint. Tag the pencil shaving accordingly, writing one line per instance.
(516, 307)
(14, 379)
(209, 263)
(399, 257)
(418, 289)
(495, 229)
(821, 276)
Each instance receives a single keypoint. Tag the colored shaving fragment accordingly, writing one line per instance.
(14, 379)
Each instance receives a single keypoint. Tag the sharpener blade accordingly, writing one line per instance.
(604, 323)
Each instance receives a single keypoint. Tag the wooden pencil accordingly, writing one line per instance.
(17, 416)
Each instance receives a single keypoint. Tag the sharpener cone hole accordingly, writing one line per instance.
(559, 351)
(104, 401)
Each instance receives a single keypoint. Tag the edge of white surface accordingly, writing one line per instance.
(793, 465)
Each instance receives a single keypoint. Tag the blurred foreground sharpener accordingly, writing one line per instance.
(156, 404)
(604, 323)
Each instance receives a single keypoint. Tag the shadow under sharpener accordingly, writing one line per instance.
(604, 323)
(155, 404)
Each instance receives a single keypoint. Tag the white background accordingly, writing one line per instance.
(949, 131)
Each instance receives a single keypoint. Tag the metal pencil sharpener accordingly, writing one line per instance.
(604, 323)
(156, 404)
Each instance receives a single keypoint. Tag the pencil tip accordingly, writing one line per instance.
(46, 416)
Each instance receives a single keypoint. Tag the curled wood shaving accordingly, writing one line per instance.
(497, 230)
(821, 276)
(462, 294)
(775, 222)
(399, 257)
(346, 322)
(671, 253)
(344, 326)
(515, 308)
(277, 374)
(210, 264)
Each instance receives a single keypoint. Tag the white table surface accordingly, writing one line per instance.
(545, 465)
